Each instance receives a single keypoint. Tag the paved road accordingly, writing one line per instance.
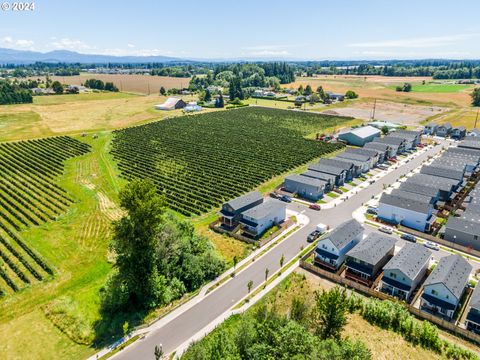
(183, 327)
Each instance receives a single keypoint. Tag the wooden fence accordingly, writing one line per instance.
(380, 295)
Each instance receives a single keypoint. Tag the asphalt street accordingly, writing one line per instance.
(187, 324)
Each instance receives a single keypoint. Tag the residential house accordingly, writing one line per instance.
(430, 129)
(420, 189)
(339, 173)
(470, 143)
(444, 287)
(445, 186)
(332, 249)
(444, 130)
(351, 169)
(414, 211)
(373, 154)
(360, 136)
(458, 133)
(364, 161)
(474, 133)
(327, 178)
(473, 316)
(405, 271)
(305, 187)
(398, 143)
(257, 220)
(464, 231)
(231, 211)
(384, 150)
(443, 172)
(366, 260)
(336, 97)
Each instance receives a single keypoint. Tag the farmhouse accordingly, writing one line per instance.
(339, 173)
(365, 261)
(430, 129)
(171, 104)
(192, 107)
(255, 221)
(327, 178)
(231, 211)
(405, 270)
(332, 249)
(336, 97)
(458, 133)
(444, 287)
(305, 187)
(360, 136)
(444, 130)
(414, 211)
(473, 316)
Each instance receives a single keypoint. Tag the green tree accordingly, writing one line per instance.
(158, 352)
(163, 92)
(125, 328)
(476, 97)
(266, 274)
(219, 102)
(407, 87)
(351, 94)
(385, 130)
(249, 286)
(57, 87)
(329, 313)
(134, 242)
(282, 260)
(208, 96)
(314, 98)
(299, 310)
(308, 90)
(301, 90)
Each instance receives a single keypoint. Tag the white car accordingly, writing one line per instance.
(385, 229)
(432, 245)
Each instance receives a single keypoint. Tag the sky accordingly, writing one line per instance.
(249, 29)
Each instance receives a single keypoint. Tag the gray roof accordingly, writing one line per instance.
(364, 132)
(264, 209)
(475, 299)
(475, 131)
(463, 225)
(468, 143)
(452, 271)
(419, 189)
(410, 133)
(244, 200)
(306, 180)
(333, 170)
(377, 146)
(442, 172)
(408, 204)
(458, 164)
(410, 260)
(353, 156)
(431, 125)
(341, 163)
(440, 183)
(446, 125)
(391, 140)
(373, 248)
(345, 232)
(319, 175)
(460, 150)
(460, 128)
(363, 151)
(407, 195)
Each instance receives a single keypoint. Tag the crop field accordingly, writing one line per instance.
(199, 161)
(140, 84)
(29, 196)
(441, 88)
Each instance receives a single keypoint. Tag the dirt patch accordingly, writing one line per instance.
(108, 207)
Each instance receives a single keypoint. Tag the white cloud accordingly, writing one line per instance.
(131, 46)
(419, 42)
(71, 44)
(266, 50)
(12, 43)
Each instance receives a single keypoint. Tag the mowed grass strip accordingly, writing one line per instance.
(199, 161)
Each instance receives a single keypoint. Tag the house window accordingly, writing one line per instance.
(324, 246)
(434, 292)
(447, 296)
(333, 249)
(393, 275)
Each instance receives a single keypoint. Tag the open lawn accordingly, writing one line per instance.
(459, 117)
(73, 114)
(441, 88)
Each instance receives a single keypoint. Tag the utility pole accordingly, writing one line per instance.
(374, 107)
(476, 119)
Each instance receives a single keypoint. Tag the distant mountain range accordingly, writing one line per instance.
(10, 56)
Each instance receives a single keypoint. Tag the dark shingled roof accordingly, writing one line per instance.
(463, 225)
(319, 175)
(373, 248)
(306, 180)
(442, 172)
(475, 299)
(446, 125)
(366, 152)
(470, 144)
(419, 189)
(408, 204)
(452, 271)
(244, 200)
(344, 233)
(377, 146)
(333, 170)
(341, 163)
(412, 196)
(441, 183)
(410, 260)
(391, 140)
(353, 156)
(264, 209)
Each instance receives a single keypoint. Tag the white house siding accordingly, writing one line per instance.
(400, 277)
(268, 221)
(408, 218)
(440, 292)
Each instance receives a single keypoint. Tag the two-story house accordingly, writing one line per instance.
(332, 249)
(473, 316)
(444, 287)
(458, 133)
(405, 270)
(444, 130)
(430, 129)
(260, 218)
(339, 173)
(231, 211)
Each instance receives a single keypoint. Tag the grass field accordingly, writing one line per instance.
(441, 88)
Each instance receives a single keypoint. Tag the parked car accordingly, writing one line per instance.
(371, 182)
(274, 195)
(432, 245)
(372, 210)
(392, 159)
(286, 198)
(382, 166)
(409, 237)
(420, 145)
(313, 236)
(315, 207)
(385, 229)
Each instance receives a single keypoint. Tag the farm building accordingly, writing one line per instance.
(458, 133)
(255, 221)
(332, 249)
(192, 107)
(444, 130)
(408, 209)
(430, 129)
(405, 270)
(171, 104)
(231, 211)
(339, 173)
(327, 178)
(305, 187)
(365, 261)
(444, 287)
(473, 316)
(360, 136)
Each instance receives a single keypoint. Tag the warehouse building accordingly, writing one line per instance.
(360, 136)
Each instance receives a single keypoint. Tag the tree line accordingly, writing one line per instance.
(13, 94)
(100, 85)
